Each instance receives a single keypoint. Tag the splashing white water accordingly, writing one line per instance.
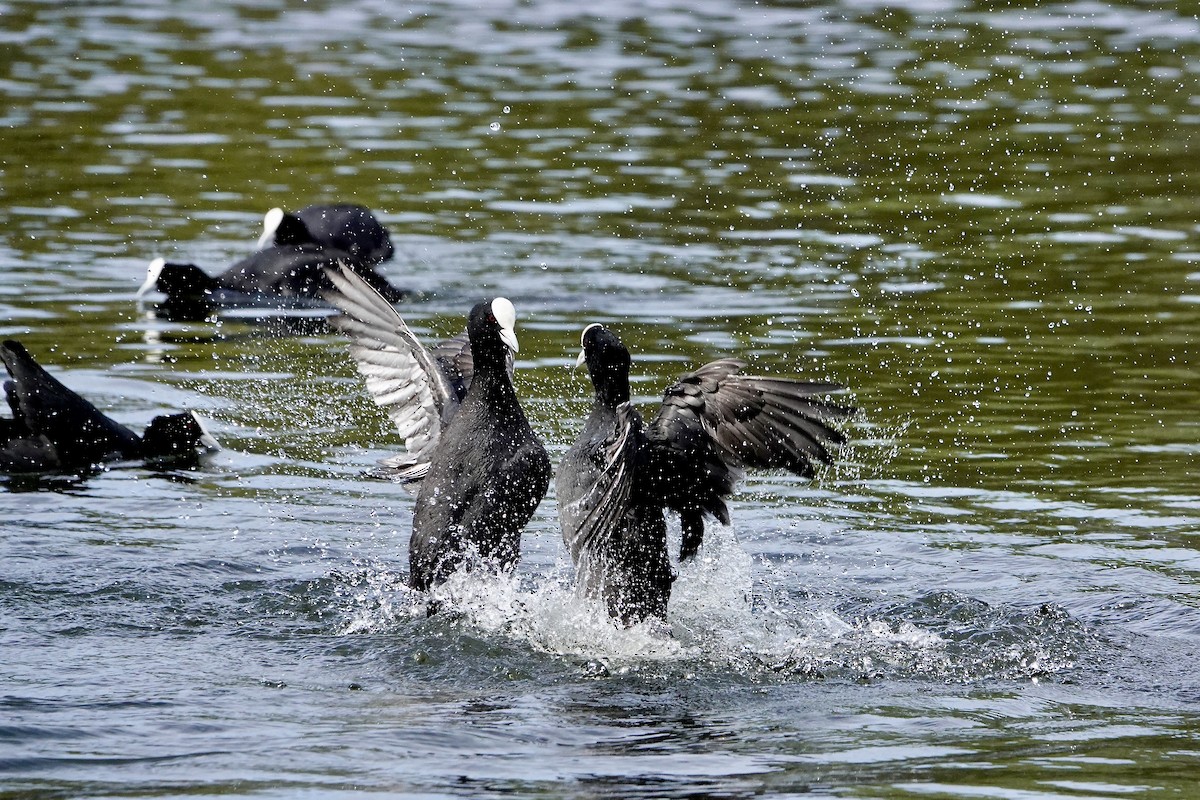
(713, 605)
(713, 617)
(378, 599)
(554, 618)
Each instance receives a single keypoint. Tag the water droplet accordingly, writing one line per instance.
(495, 126)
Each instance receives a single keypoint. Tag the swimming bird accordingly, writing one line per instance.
(482, 469)
(53, 429)
(620, 477)
(353, 229)
(281, 276)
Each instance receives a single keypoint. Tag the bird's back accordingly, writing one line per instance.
(299, 271)
(615, 529)
(350, 228)
(288, 271)
(78, 432)
(579, 472)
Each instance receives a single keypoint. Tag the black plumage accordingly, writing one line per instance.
(482, 469)
(350, 228)
(621, 476)
(281, 276)
(287, 273)
(53, 429)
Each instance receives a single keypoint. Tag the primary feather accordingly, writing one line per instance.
(622, 474)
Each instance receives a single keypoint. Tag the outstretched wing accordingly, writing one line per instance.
(403, 378)
(754, 421)
(759, 421)
(714, 423)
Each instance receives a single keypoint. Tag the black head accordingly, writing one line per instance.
(283, 229)
(175, 280)
(492, 331)
(176, 436)
(607, 361)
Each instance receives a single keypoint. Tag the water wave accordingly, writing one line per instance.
(725, 616)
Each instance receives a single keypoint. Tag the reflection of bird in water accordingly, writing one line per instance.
(617, 481)
(53, 429)
(482, 469)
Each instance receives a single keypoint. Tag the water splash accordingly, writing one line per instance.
(552, 617)
(377, 599)
(723, 615)
(717, 605)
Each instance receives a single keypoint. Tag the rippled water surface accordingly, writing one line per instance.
(980, 216)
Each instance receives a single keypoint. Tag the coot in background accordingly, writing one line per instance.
(289, 273)
(350, 228)
(616, 482)
(482, 469)
(290, 276)
(53, 429)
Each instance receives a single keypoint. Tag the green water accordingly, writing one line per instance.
(981, 217)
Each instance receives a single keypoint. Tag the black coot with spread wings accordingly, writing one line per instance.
(53, 429)
(481, 467)
(617, 481)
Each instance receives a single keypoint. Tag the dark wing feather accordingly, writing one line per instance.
(403, 378)
(714, 423)
(598, 513)
(773, 423)
(80, 433)
(758, 421)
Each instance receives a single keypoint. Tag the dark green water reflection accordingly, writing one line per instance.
(979, 216)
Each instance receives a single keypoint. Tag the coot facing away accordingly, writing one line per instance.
(353, 229)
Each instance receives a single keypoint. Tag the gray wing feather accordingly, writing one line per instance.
(758, 421)
(599, 512)
(454, 356)
(402, 377)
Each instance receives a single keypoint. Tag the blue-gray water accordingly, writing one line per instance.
(982, 217)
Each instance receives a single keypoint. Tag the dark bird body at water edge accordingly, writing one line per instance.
(482, 469)
(353, 229)
(289, 273)
(53, 429)
(616, 483)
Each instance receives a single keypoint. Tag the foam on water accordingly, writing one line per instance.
(723, 616)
